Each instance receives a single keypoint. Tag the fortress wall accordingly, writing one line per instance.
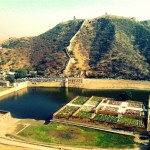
(18, 87)
(115, 84)
(46, 84)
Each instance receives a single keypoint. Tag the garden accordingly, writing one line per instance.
(95, 98)
(112, 102)
(135, 104)
(105, 101)
(111, 109)
(80, 100)
(106, 118)
(98, 109)
(93, 103)
(87, 108)
(131, 122)
(67, 111)
(84, 114)
(132, 112)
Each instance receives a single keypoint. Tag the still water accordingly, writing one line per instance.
(41, 103)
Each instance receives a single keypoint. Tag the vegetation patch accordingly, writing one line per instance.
(94, 98)
(131, 122)
(84, 114)
(106, 118)
(80, 100)
(67, 111)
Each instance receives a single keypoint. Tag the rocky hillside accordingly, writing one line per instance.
(106, 47)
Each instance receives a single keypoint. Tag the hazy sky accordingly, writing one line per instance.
(32, 17)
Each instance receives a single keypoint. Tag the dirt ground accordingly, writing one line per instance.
(7, 147)
(13, 125)
(3, 88)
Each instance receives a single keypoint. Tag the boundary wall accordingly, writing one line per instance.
(46, 84)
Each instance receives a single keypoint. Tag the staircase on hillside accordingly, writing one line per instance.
(71, 59)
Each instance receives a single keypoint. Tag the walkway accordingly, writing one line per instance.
(36, 146)
(26, 145)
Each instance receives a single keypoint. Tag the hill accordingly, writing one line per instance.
(107, 46)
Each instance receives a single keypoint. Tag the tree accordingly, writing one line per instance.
(30, 69)
(21, 73)
(41, 73)
(10, 78)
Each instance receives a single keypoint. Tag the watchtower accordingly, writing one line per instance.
(74, 18)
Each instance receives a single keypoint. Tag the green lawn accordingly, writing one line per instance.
(76, 136)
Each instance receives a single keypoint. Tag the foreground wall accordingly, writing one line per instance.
(19, 86)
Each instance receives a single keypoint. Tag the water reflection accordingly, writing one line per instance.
(15, 94)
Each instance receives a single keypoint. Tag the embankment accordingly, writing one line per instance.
(14, 89)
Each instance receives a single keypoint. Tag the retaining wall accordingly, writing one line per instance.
(115, 84)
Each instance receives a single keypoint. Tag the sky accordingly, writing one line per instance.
(19, 18)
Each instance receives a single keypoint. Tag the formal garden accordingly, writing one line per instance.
(103, 110)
